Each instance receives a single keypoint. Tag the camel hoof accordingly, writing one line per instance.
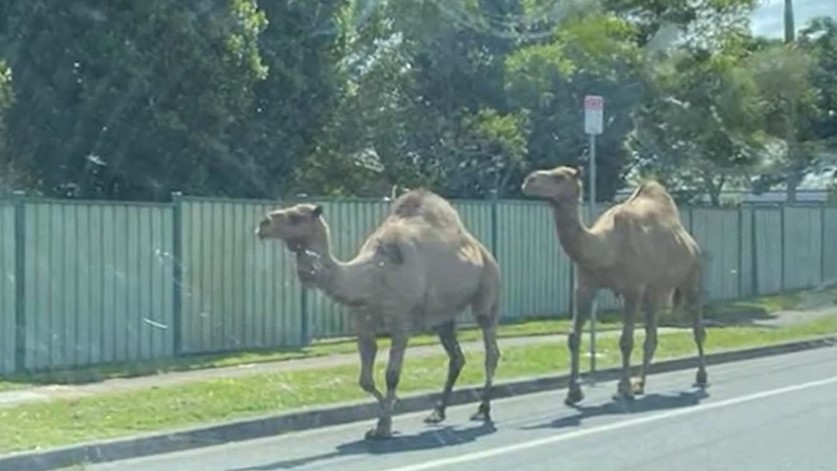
(574, 396)
(624, 396)
(435, 417)
(483, 414)
(624, 391)
(701, 379)
(378, 433)
(638, 386)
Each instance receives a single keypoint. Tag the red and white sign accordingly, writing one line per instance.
(593, 114)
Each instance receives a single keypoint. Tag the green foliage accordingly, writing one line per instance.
(250, 98)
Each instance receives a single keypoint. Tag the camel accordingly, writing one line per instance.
(639, 250)
(419, 269)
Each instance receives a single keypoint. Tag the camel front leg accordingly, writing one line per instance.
(626, 343)
(456, 360)
(393, 375)
(368, 347)
(652, 305)
(584, 298)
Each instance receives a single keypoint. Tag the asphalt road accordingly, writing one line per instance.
(772, 414)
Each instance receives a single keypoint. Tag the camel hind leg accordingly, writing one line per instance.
(695, 311)
(488, 324)
(630, 308)
(486, 310)
(652, 305)
(456, 360)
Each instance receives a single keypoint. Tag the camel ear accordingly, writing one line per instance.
(579, 172)
(318, 211)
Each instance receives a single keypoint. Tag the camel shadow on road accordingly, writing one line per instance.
(646, 403)
(432, 438)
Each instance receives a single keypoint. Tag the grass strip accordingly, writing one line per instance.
(65, 422)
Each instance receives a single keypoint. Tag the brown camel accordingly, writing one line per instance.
(419, 269)
(640, 251)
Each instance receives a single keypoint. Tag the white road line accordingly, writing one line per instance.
(610, 427)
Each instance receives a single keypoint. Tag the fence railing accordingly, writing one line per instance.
(97, 282)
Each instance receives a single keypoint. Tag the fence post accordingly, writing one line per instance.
(494, 216)
(822, 244)
(20, 281)
(305, 333)
(754, 254)
(740, 251)
(177, 287)
(782, 209)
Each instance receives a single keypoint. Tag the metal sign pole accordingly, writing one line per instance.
(593, 125)
(592, 217)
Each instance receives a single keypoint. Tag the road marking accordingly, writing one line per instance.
(610, 427)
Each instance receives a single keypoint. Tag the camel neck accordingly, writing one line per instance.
(340, 281)
(578, 242)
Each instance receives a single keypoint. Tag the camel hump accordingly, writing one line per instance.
(426, 205)
(654, 190)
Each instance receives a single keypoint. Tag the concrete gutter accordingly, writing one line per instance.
(248, 429)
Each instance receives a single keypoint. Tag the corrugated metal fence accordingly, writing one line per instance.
(98, 282)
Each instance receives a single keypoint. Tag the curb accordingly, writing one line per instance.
(249, 429)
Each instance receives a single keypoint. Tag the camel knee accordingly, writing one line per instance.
(367, 383)
(392, 378)
(650, 342)
(456, 363)
(626, 343)
(699, 333)
(573, 341)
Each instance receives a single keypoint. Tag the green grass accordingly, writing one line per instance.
(758, 307)
(64, 422)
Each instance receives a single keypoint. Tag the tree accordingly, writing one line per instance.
(133, 110)
(783, 76)
(819, 40)
(6, 170)
(418, 76)
(702, 129)
(589, 53)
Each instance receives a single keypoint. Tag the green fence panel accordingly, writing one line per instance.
(716, 231)
(803, 247)
(768, 272)
(97, 283)
(829, 246)
(534, 268)
(237, 291)
(477, 217)
(7, 287)
(745, 253)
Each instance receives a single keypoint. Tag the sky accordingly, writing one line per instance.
(767, 19)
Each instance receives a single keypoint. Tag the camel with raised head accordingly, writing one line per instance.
(419, 269)
(639, 250)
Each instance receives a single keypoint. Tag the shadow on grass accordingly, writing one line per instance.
(647, 403)
(430, 439)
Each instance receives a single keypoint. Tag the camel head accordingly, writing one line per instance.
(305, 233)
(300, 226)
(561, 184)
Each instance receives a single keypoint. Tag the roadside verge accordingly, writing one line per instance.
(308, 418)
